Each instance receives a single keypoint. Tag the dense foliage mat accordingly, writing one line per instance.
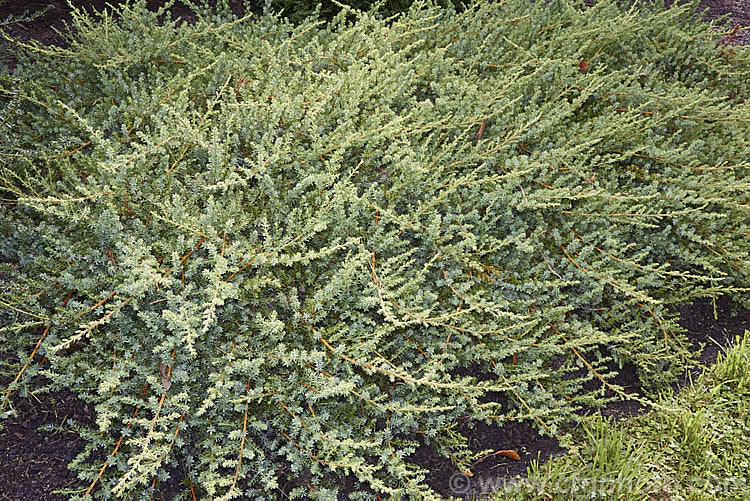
(263, 250)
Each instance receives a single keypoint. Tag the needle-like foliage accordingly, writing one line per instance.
(271, 254)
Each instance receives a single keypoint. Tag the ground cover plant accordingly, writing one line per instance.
(260, 249)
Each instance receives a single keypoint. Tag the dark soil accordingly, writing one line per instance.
(33, 460)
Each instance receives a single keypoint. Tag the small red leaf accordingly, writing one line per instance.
(164, 373)
(584, 65)
(482, 125)
(509, 454)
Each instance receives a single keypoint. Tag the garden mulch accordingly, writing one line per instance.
(38, 441)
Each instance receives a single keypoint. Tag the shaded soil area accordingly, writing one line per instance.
(33, 460)
(38, 440)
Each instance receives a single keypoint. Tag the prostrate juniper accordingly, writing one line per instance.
(276, 254)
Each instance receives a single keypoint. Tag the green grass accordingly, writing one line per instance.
(693, 447)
